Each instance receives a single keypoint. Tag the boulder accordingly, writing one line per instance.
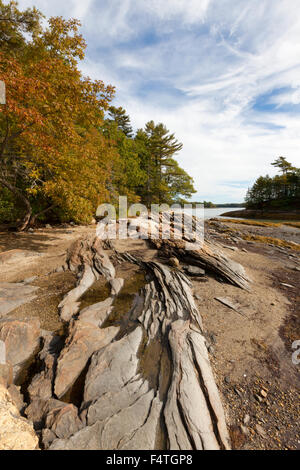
(113, 367)
(83, 341)
(16, 433)
(22, 341)
(194, 271)
(48, 437)
(63, 421)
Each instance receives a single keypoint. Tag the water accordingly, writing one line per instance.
(212, 213)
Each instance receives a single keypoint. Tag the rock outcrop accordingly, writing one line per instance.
(22, 341)
(127, 380)
(16, 433)
(151, 385)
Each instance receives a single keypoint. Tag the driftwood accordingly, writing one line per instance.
(147, 382)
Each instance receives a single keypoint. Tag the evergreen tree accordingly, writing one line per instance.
(164, 178)
(280, 191)
(283, 165)
(119, 116)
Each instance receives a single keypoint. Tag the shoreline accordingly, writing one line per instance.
(264, 215)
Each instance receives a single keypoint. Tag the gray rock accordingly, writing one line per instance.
(48, 437)
(213, 338)
(64, 421)
(246, 420)
(198, 297)
(244, 430)
(260, 430)
(195, 271)
(116, 286)
(230, 304)
(132, 428)
(232, 248)
(29, 280)
(84, 339)
(111, 368)
(22, 341)
(86, 439)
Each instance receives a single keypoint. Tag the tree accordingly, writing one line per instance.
(127, 174)
(283, 165)
(50, 150)
(280, 191)
(165, 179)
(179, 184)
(119, 116)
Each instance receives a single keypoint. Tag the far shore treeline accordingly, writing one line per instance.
(64, 147)
(282, 192)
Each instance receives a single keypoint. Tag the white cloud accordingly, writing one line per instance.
(199, 66)
(190, 12)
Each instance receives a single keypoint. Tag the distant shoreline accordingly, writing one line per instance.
(260, 214)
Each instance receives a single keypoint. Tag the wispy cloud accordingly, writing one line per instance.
(224, 76)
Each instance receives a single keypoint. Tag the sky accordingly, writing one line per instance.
(223, 75)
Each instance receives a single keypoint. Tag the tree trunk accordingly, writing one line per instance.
(28, 209)
(34, 217)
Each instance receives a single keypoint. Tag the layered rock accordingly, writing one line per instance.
(138, 395)
(144, 382)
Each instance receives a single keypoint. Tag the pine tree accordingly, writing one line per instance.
(158, 147)
(119, 116)
(283, 165)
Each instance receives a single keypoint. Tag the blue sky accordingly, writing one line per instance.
(223, 75)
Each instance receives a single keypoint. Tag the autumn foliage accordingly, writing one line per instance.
(59, 154)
